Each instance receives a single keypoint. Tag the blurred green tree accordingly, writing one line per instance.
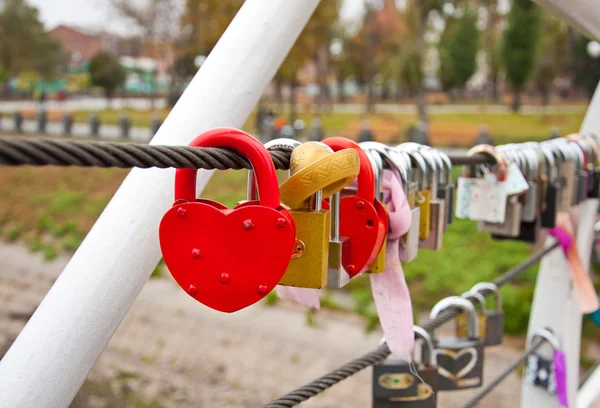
(458, 50)
(554, 46)
(107, 73)
(25, 45)
(520, 45)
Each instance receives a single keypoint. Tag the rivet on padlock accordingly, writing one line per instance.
(314, 170)
(359, 218)
(456, 372)
(397, 383)
(539, 369)
(494, 334)
(221, 235)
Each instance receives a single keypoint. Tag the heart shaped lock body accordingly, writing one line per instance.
(359, 219)
(225, 258)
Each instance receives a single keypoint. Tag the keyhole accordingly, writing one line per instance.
(369, 224)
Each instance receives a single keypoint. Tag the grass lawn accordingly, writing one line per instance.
(504, 128)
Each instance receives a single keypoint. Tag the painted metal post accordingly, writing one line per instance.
(555, 303)
(56, 350)
(583, 15)
(590, 391)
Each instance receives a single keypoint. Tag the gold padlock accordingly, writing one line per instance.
(422, 196)
(462, 320)
(315, 172)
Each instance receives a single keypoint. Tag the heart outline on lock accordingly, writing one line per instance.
(216, 254)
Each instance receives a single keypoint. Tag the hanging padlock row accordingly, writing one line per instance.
(456, 362)
(329, 221)
(326, 223)
(528, 185)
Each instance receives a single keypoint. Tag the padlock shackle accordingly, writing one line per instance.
(275, 144)
(547, 335)
(420, 163)
(377, 165)
(486, 288)
(422, 334)
(478, 297)
(247, 146)
(366, 178)
(489, 150)
(462, 304)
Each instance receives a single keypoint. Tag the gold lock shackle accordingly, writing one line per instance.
(313, 167)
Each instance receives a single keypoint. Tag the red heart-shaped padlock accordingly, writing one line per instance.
(359, 218)
(228, 259)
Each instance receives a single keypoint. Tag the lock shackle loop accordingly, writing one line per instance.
(545, 334)
(419, 162)
(366, 178)
(576, 139)
(423, 335)
(247, 146)
(501, 167)
(478, 297)
(282, 143)
(443, 164)
(532, 163)
(387, 156)
(462, 304)
(594, 148)
(535, 151)
(486, 288)
(377, 164)
(551, 167)
(433, 170)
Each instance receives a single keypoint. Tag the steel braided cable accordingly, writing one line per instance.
(20, 151)
(37, 152)
(326, 381)
(498, 379)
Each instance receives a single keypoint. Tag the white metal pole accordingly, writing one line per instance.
(54, 353)
(590, 391)
(583, 15)
(555, 303)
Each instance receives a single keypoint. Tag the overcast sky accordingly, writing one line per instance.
(97, 14)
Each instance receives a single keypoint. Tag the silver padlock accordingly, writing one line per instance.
(494, 327)
(337, 277)
(409, 243)
(438, 216)
(459, 359)
(512, 221)
(530, 208)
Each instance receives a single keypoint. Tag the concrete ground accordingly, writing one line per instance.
(173, 352)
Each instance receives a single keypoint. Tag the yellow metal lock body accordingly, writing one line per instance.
(379, 265)
(315, 172)
(423, 201)
(308, 267)
(462, 320)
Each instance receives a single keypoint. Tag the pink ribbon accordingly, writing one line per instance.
(390, 291)
(564, 232)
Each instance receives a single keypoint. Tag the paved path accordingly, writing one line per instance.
(171, 349)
